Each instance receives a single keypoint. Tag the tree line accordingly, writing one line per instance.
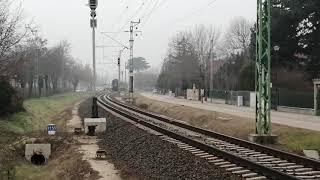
(26, 58)
(193, 53)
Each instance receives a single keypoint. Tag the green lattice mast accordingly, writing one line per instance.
(263, 89)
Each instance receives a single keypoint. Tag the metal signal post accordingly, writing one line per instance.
(119, 67)
(93, 23)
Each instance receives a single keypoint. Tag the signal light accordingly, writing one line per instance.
(93, 4)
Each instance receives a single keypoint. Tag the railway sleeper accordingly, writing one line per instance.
(202, 154)
(269, 160)
(257, 178)
(207, 156)
(234, 168)
(222, 163)
(241, 171)
(308, 173)
(302, 169)
(216, 161)
(308, 177)
(212, 158)
(228, 165)
(248, 175)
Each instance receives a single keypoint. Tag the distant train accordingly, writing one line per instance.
(115, 85)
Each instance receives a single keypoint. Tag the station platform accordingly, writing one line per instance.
(289, 119)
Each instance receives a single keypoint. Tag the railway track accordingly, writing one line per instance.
(248, 160)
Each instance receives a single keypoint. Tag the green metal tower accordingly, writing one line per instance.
(263, 71)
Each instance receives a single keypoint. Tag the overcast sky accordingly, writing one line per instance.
(160, 20)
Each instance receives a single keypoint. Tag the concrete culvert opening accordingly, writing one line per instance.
(38, 159)
(92, 130)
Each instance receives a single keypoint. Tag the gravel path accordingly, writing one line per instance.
(140, 155)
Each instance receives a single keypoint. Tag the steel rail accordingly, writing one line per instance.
(258, 168)
(311, 163)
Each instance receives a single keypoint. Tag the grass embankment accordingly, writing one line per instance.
(290, 139)
(39, 112)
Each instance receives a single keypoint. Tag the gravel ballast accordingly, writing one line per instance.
(141, 155)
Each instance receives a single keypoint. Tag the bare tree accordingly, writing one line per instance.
(237, 37)
(12, 31)
(205, 40)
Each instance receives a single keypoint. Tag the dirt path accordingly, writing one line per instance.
(89, 147)
(283, 118)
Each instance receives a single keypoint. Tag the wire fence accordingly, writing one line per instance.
(280, 97)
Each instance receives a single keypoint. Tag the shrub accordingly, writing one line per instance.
(143, 106)
(247, 77)
(9, 100)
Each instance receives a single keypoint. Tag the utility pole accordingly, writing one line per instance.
(263, 75)
(93, 23)
(133, 25)
(125, 73)
(211, 68)
(119, 68)
(122, 76)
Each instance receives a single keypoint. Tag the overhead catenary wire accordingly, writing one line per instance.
(114, 39)
(150, 5)
(194, 12)
(154, 9)
(188, 15)
(119, 18)
(131, 17)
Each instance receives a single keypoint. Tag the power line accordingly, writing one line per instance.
(118, 19)
(192, 13)
(131, 17)
(154, 9)
(195, 12)
(150, 5)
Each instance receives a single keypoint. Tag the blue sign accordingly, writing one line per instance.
(52, 127)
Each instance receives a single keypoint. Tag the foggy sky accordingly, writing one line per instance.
(69, 20)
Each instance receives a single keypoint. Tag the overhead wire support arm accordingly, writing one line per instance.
(110, 37)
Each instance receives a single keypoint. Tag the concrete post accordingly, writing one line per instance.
(315, 92)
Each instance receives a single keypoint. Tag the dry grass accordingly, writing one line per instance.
(65, 162)
(67, 165)
(290, 139)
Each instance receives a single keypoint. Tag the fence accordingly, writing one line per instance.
(231, 97)
(285, 97)
(280, 97)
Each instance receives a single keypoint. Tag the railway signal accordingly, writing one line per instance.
(119, 65)
(93, 4)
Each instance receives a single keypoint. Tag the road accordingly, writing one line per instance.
(289, 119)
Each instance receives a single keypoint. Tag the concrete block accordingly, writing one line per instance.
(313, 154)
(99, 123)
(38, 149)
(263, 139)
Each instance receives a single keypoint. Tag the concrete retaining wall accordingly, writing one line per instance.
(296, 110)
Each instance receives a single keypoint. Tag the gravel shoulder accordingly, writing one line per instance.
(89, 146)
(290, 139)
(140, 155)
